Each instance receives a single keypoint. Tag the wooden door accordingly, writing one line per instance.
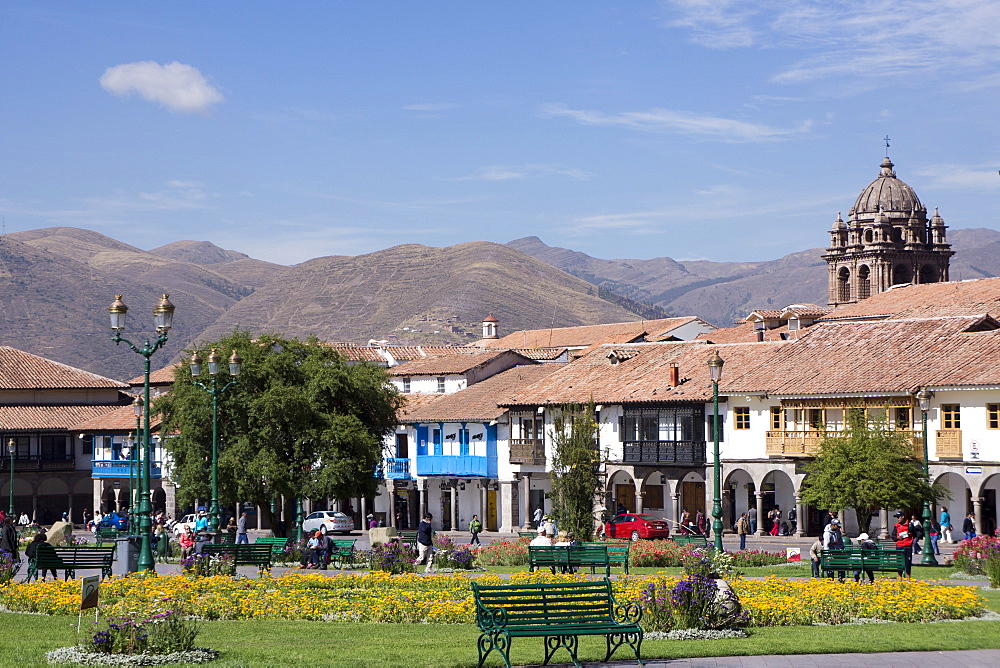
(491, 510)
(625, 495)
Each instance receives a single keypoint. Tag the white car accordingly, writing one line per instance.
(329, 521)
(186, 520)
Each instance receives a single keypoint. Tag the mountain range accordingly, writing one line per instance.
(56, 285)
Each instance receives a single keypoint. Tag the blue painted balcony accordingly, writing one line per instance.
(117, 468)
(397, 468)
(456, 465)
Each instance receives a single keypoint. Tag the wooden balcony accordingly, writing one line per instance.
(806, 443)
(527, 451)
(948, 443)
(677, 453)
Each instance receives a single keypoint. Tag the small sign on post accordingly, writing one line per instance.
(793, 554)
(89, 594)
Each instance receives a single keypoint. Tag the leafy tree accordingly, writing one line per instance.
(575, 470)
(300, 421)
(870, 466)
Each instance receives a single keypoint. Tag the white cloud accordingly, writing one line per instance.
(178, 87)
(508, 173)
(684, 122)
(962, 177)
(863, 41)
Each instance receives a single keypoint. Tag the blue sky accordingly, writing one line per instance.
(722, 130)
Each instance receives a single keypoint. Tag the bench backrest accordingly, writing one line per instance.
(543, 604)
(577, 555)
(343, 543)
(687, 539)
(616, 551)
(242, 552)
(892, 560)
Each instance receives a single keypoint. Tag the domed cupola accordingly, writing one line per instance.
(888, 194)
(887, 240)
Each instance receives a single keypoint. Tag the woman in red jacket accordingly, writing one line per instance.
(904, 541)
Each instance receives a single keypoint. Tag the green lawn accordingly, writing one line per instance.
(268, 643)
(25, 639)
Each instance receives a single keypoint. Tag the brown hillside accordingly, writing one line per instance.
(375, 295)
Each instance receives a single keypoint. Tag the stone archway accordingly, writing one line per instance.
(622, 490)
(777, 492)
(739, 495)
(654, 495)
(52, 500)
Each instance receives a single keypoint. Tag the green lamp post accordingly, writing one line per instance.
(715, 372)
(163, 315)
(11, 449)
(927, 553)
(214, 366)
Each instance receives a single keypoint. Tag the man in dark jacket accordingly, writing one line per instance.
(969, 526)
(8, 539)
(425, 536)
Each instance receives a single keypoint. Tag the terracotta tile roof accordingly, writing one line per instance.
(20, 370)
(415, 401)
(928, 301)
(164, 376)
(541, 353)
(805, 311)
(889, 356)
(120, 419)
(587, 335)
(643, 378)
(452, 364)
(372, 353)
(26, 418)
(479, 402)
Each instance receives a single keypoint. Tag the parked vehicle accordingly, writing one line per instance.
(115, 520)
(635, 526)
(330, 521)
(188, 520)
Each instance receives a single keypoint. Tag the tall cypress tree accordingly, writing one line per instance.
(576, 476)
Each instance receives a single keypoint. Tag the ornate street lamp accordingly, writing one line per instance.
(163, 315)
(928, 558)
(214, 366)
(11, 449)
(715, 371)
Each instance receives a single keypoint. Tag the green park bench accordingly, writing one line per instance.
(617, 552)
(105, 534)
(408, 537)
(275, 543)
(243, 555)
(886, 544)
(342, 551)
(558, 613)
(884, 561)
(567, 558)
(527, 534)
(71, 559)
(691, 539)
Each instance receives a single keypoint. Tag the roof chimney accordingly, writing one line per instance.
(675, 375)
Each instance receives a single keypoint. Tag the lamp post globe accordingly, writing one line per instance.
(715, 364)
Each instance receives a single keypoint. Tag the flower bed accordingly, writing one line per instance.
(381, 597)
(980, 556)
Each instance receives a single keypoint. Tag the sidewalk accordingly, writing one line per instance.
(976, 658)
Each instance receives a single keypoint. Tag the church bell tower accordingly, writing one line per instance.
(887, 240)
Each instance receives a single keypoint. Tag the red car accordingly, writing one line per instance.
(635, 526)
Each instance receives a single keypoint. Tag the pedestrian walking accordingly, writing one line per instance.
(742, 529)
(241, 529)
(946, 527)
(537, 517)
(775, 516)
(752, 517)
(969, 526)
(475, 527)
(793, 521)
(833, 539)
(425, 536)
